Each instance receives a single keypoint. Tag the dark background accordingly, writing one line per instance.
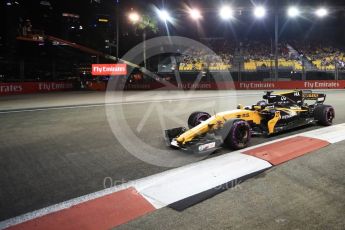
(46, 17)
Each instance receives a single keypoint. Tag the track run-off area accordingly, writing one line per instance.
(66, 162)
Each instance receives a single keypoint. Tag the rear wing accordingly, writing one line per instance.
(293, 97)
(284, 98)
(318, 97)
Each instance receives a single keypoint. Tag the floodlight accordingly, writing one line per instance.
(195, 14)
(226, 12)
(293, 12)
(259, 12)
(164, 15)
(134, 17)
(321, 12)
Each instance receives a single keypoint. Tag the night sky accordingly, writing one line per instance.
(245, 26)
(93, 35)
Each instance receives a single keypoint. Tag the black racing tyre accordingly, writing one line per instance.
(239, 135)
(196, 118)
(324, 114)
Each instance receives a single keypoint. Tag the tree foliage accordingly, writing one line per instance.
(147, 24)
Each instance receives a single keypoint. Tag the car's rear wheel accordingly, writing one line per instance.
(239, 135)
(324, 114)
(196, 118)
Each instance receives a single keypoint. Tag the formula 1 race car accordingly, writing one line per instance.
(279, 111)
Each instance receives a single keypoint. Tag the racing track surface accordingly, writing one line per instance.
(59, 146)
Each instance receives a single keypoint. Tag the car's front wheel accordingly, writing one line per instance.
(196, 118)
(239, 135)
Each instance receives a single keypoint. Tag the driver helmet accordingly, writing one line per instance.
(262, 103)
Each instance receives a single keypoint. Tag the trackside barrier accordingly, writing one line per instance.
(40, 87)
(34, 87)
(245, 85)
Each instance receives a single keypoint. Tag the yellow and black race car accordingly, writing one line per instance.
(279, 111)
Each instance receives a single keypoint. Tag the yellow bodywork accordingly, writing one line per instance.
(217, 121)
(272, 123)
(253, 115)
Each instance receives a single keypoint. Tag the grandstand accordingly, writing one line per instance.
(257, 55)
(321, 56)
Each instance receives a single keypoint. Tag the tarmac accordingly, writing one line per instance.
(59, 146)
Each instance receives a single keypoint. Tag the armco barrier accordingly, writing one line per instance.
(245, 85)
(34, 87)
(326, 84)
(40, 87)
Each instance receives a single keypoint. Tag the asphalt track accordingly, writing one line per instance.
(59, 146)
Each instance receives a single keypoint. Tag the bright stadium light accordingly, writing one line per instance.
(134, 17)
(321, 12)
(195, 14)
(226, 12)
(164, 15)
(293, 12)
(259, 12)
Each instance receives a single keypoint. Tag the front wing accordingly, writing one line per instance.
(204, 144)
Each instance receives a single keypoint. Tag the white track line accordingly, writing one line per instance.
(118, 103)
(332, 134)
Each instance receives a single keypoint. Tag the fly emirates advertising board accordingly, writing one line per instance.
(109, 69)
